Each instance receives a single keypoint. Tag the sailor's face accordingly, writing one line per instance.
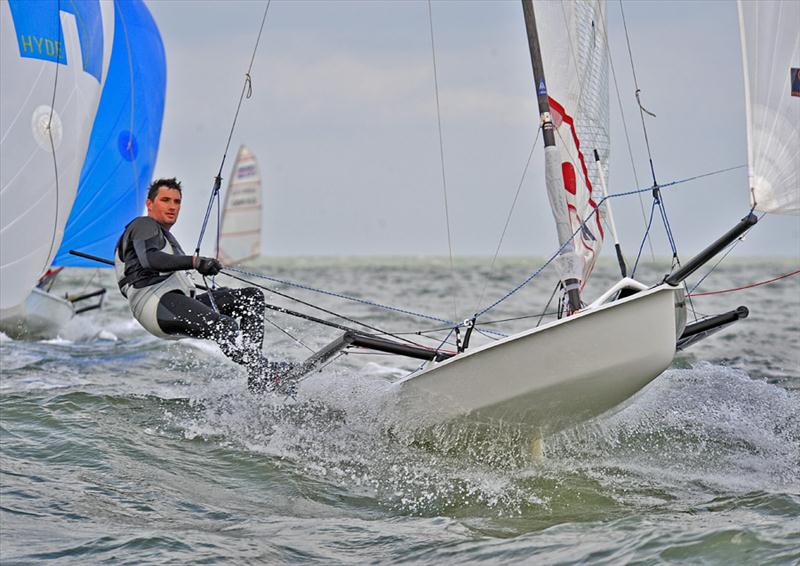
(164, 208)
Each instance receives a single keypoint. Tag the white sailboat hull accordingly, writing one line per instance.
(42, 315)
(555, 376)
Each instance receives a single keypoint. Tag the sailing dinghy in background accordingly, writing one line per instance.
(54, 65)
(240, 232)
(115, 168)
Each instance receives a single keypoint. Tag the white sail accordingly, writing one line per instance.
(53, 65)
(575, 57)
(240, 234)
(770, 33)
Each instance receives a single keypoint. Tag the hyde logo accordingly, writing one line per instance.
(40, 34)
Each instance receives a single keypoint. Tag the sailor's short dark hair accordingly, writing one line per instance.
(171, 183)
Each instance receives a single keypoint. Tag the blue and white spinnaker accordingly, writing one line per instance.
(124, 143)
(53, 62)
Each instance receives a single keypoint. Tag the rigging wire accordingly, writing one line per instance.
(289, 334)
(739, 240)
(442, 343)
(53, 145)
(508, 218)
(587, 219)
(232, 271)
(627, 136)
(642, 111)
(441, 157)
(547, 306)
(793, 273)
(247, 92)
(227, 271)
(644, 238)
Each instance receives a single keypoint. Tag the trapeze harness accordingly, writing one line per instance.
(141, 282)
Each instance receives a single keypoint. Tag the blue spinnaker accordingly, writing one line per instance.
(124, 142)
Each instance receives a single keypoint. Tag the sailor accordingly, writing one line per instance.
(153, 274)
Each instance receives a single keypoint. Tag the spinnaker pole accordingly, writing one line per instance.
(569, 268)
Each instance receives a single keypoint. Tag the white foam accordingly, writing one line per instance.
(57, 341)
(106, 336)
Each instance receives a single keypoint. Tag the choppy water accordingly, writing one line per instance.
(121, 448)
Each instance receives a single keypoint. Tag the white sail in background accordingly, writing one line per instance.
(770, 33)
(54, 62)
(575, 57)
(240, 234)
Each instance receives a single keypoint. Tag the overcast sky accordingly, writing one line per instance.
(343, 123)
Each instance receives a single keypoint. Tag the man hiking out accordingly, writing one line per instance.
(152, 273)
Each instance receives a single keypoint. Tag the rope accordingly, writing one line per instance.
(673, 183)
(663, 210)
(547, 306)
(589, 217)
(227, 270)
(290, 335)
(53, 145)
(321, 309)
(247, 92)
(450, 324)
(441, 157)
(442, 343)
(646, 233)
(746, 286)
(642, 110)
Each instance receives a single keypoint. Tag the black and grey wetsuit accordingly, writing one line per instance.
(150, 263)
(152, 274)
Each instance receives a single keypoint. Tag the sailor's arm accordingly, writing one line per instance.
(148, 242)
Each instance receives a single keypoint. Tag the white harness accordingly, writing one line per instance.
(144, 302)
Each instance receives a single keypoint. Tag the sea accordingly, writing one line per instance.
(121, 448)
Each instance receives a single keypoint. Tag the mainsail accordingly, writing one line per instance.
(54, 59)
(124, 142)
(240, 232)
(575, 57)
(770, 33)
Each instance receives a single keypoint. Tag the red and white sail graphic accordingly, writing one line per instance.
(575, 57)
(578, 190)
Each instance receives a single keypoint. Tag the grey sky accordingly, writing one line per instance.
(343, 122)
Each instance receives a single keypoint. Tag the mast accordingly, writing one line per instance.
(567, 262)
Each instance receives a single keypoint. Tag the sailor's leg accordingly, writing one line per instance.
(245, 304)
(181, 315)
